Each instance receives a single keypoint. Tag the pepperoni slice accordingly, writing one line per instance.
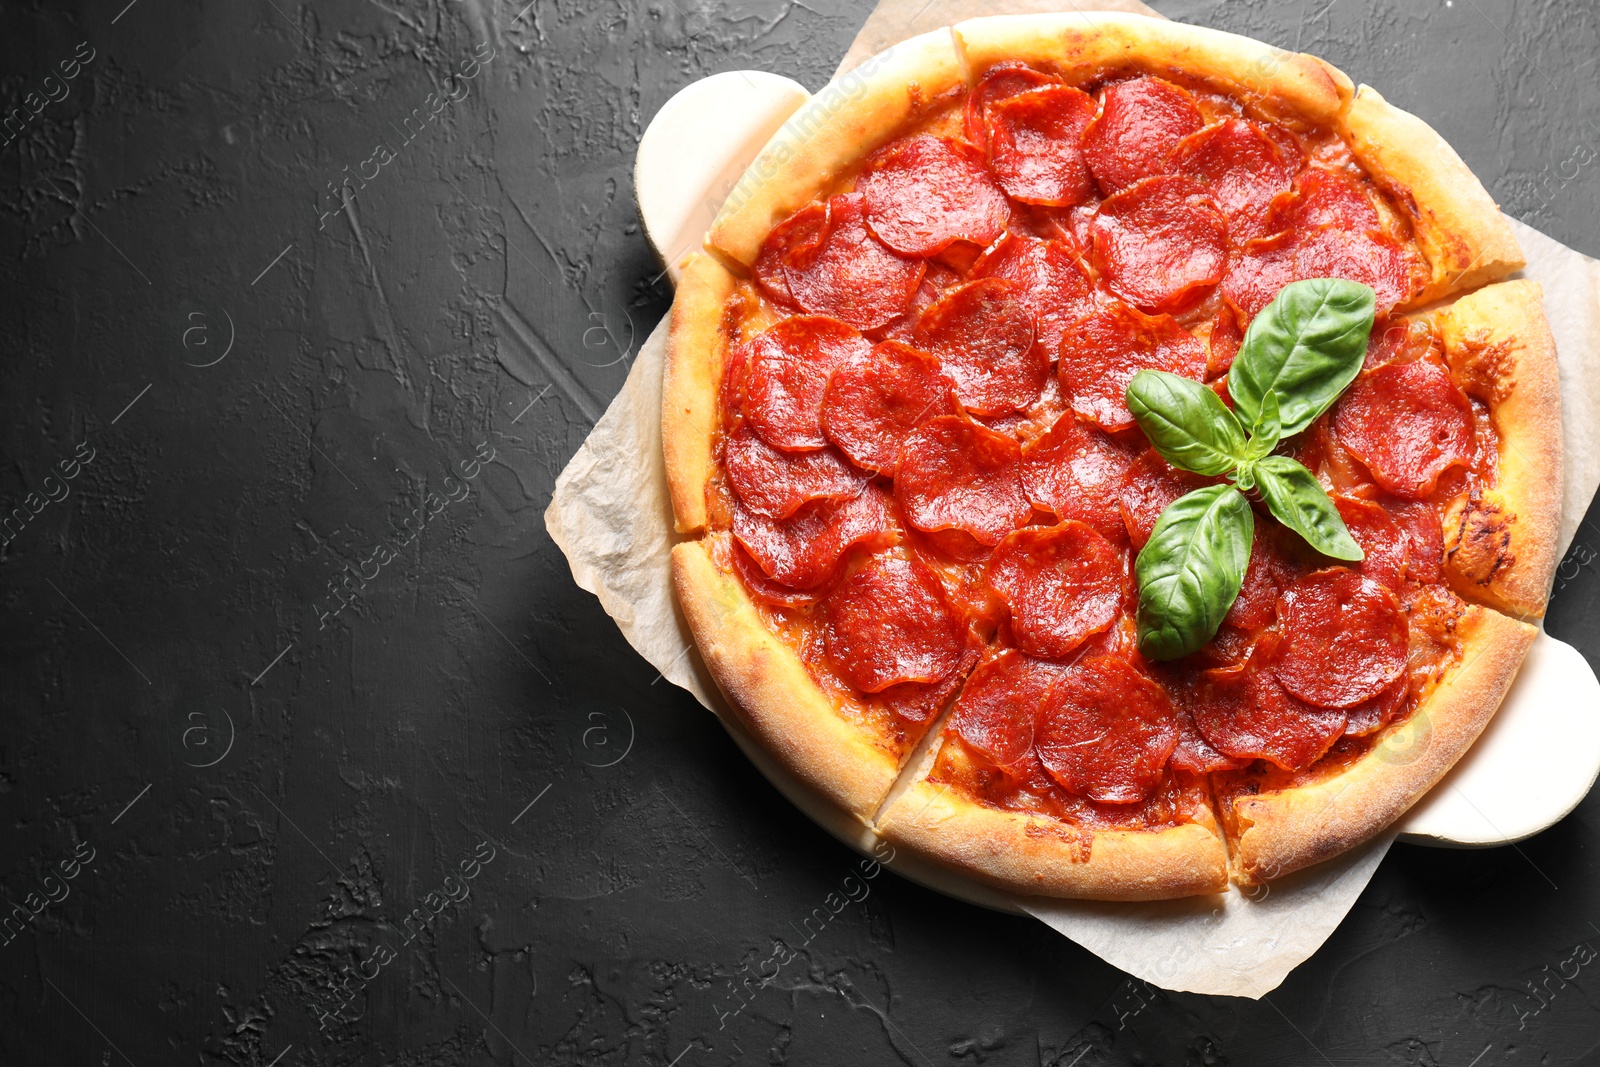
(1257, 602)
(889, 622)
(1053, 274)
(955, 474)
(1105, 731)
(1243, 168)
(775, 484)
(1382, 541)
(1152, 484)
(995, 713)
(850, 274)
(1140, 122)
(796, 236)
(785, 371)
(1324, 198)
(802, 551)
(764, 588)
(1061, 584)
(1419, 521)
(982, 334)
(1373, 259)
(1077, 472)
(1258, 270)
(1245, 713)
(1162, 242)
(916, 702)
(1344, 638)
(872, 404)
(1408, 422)
(1193, 753)
(1035, 145)
(1370, 716)
(934, 282)
(1398, 341)
(1223, 345)
(922, 193)
(1103, 351)
(999, 83)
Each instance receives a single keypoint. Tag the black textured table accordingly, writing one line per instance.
(312, 753)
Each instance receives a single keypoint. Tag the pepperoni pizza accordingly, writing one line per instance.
(900, 449)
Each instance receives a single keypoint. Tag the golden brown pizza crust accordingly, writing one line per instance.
(1501, 544)
(1454, 219)
(831, 133)
(697, 346)
(1037, 856)
(773, 693)
(1080, 46)
(1274, 833)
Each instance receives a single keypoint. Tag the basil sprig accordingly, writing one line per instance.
(1299, 354)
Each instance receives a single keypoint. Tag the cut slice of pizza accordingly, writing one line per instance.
(911, 490)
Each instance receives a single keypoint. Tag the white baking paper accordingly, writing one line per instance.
(611, 515)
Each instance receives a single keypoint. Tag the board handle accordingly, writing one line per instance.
(697, 147)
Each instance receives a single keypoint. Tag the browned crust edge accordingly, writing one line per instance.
(1455, 221)
(1501, 548)
(696, 352)
(1080, 45)
(1277, 833)
(830, 133)
(771, 691)
(1038, 856)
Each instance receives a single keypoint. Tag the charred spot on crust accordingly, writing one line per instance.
(1479, 546)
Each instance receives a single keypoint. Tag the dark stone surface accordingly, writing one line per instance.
(168, 612)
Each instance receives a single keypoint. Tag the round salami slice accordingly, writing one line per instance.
(1257, 603)
(1223, 344)
(775, 484)
(786, 370)
(1035, 143)
(889, 622)
(1373, 259)
(1408, 422)
(1257, 271)
(1061, 584)
(1141, 121)
(872, 404)
(1103, 351)
(1380, 538)
(764, 588)
(1370, 716)
(1152, 484)
(922, 193)
(1077, 472)
(1193, 753)
(955, 474)
(918, 702)
(1243, 168)
(1000, 82)
(1398, 341)
(995, 713)
(1324, 198)
(1344, 638)
(1245, 713)
(1053, 274)
(1418, 520)
(802, 551)
(850, 274)
(795, 237)
(934, 282)
(1162, 243)
(1105, 731)
(982, 334)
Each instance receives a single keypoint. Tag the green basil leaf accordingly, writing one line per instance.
(1296, 498)
(1268, 430)
(1191, 569)
(1306, 346)
(1186, 421)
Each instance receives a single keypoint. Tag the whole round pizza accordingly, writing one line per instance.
(1109, 458)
